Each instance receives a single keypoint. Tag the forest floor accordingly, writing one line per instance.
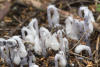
(19, 15)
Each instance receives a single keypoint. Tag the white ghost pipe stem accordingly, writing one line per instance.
(44, 34)
(80, 48)
(3, 54)
(88, 21)
(52, 19)
(22, 50)
(61, 58)
(44, 52)
(63, 42)
(71, 28)
(64, 46)
(16, 59)
(54, 44)
(37, 46)
(34, 25)
(11, 44)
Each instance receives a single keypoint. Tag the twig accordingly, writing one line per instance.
(78, 63)
(78, 42)
(97, 48)
(79, 55)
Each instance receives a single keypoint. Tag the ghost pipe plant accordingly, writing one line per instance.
(32, 36)
(28, 37)
(64, 45)
(53, 20)
(22, 50)
(81, 47)
(44, 35)
(12, 46)
(54, 44)
(49, 40)
(88, 20)
(71, 28)
(4, 52)
(60, 59)
(33, 26)
(63, 41)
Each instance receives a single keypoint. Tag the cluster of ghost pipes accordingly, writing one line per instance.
(13, 50)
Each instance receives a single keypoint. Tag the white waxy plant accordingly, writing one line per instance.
(53, 20)
(44, 35)
(22, 50)
(88, 20)
(72, 30)
(60, 59)
(81, 47)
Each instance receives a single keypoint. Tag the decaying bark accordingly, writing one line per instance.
(5, 7)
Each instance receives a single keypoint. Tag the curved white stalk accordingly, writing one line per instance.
(33, 26)
(64, 45)
(22, 50)
(4, 52)
(16, 59)
(80, 48)
(37, 46)
(61, 58)
(71, 28)
(50, 41)
(44, 35)
(53, 20)
(88, 20)
(55, 45)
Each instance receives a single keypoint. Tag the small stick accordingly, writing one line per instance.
(78, 42)
(79, 55)
(78, 62)
(97, 48)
